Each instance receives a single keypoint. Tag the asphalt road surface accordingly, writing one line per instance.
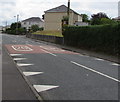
(58, 74)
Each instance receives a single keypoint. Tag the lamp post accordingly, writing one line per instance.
(14, 19)
(17, 23)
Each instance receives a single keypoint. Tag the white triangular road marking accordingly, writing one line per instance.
(115, 64)
(23, 65)
(99, 59)
(15, 54)
(31, 73)
(81, 55)
(41, 88)
(18, 59)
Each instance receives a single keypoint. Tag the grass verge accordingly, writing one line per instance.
(50, 33)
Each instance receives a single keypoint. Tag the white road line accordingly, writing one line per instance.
(86, 56)
(41, 88)
(81, 55)
(98, 59)
(31, 73)
(19, 59)
(15, 54)
(21, 48)
(29, 45)
(49, 52)
(115, 64)
(23, 65)
(90, 69)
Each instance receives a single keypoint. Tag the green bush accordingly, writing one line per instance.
(105, 38)
(34, 28)
(41, 29)
(19, 31)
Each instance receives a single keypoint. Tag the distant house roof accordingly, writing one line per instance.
(61, 8)
(117, 18)
(33, 19)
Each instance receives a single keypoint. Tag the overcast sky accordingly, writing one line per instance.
(36, 8)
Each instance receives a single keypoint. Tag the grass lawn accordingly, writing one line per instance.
(50, 33)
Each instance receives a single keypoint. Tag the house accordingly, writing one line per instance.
(3, 28)
(117, 18)
(81, 23)
(32, 21)
(53, 17)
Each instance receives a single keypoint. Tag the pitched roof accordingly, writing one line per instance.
(61, 8)
(117, 18)
(33, 19)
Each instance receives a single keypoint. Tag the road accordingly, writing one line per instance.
(58, 74)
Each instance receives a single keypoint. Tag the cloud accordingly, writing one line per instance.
(94, 1)
(6, 10)
(30, 8)
(110, 8)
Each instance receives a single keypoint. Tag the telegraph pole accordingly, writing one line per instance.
(17, 24)
(14, 19)
(68, 12)
(6, 25)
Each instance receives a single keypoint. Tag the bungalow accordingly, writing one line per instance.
(53, 17)
(32, 21)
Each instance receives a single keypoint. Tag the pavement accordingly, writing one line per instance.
(14, 86)
(54, 73)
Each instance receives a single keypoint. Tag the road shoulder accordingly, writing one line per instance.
(14, 86)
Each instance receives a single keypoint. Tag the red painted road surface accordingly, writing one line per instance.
(29, 49)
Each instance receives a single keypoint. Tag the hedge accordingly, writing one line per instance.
(103, 38)
(12, 31)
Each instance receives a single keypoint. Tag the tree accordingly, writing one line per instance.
(107, 21)
(99, 15)
(65, 20)
(34, 28)
(14, 26)
(85, 18)
(43, 17)
(96, 18)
